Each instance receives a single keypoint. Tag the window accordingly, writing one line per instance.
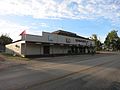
(50, 38)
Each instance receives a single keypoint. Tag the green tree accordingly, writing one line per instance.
(118, 44)
(112, 40)
(5, 39)
(97, 42)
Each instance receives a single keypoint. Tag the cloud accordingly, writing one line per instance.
(35, 32)
(59, 9)
(11, 29)
(39, 24)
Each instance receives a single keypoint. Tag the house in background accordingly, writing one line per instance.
(55, 43)
(2, 48)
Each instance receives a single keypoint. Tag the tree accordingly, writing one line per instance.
(97, 42)
(5, 39)
(112, 40)
(118, 44)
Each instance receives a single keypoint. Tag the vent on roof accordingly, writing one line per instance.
(65, 33)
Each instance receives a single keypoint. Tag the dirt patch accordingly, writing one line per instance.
(2, 59)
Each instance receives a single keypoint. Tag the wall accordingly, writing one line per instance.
(63, 39)
(32, 49)
(57, 49)
(29, 37)
(14, 48)
(54, 38)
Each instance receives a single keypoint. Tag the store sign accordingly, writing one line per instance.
(68, 40)
(83, 41)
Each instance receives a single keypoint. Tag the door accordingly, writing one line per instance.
(46, 49)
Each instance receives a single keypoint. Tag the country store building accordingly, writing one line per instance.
(55, 43)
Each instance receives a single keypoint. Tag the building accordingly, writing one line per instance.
(56, 43)
(2, 48)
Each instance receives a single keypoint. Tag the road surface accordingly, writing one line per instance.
(79, 72)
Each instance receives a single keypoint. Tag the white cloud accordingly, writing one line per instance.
(73, 9)
(43, 25)
(35, 32)
(12, 29)
(39, 24)
(15, 7)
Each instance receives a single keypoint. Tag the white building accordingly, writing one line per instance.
(55, 43)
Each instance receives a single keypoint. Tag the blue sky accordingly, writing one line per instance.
(84, 17)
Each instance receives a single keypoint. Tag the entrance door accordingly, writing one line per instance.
(72, 49)
(46, 49)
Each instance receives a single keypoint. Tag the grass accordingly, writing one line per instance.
(11, 57)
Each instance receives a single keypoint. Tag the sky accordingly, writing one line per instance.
(83, 17)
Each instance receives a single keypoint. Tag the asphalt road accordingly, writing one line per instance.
(79, 72)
